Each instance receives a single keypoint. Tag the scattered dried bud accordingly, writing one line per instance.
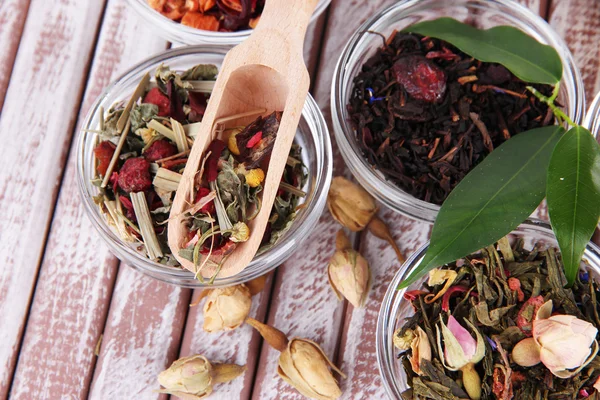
(526, 353)
(350, 205)
(226, 308)
(255, 177)
(193, 377)
(349, 276)
(403, 342)
(305, 366)
(240, 232)
(421, 350)
(378, 228)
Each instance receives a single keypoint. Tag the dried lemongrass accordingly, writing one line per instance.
(173, 157)
(291, 189)
(193, 129)
(201, 86)
(292, 162)
(163, 130)
(101, 112)
(166, 179)
(137, 93)
(180, 137)
(115, 157)
(140, 207)
(119, 222)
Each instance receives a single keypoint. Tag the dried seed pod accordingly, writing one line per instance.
(227, 308)
(350, 205)
(379, 228)
(193, 377)
(349, 276)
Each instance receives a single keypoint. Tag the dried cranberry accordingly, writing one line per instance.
(156, 97)
(159, 150)
(421, 78)
(208, 208)
(104, 152)
(134, 175)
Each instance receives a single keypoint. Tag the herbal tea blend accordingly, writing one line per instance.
(426, 113)
(212, 15)
(138, 171)
(501, 325)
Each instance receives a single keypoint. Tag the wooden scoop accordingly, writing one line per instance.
(265, 73)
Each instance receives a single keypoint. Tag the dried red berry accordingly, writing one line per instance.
(156, 97)
(527, 314)
(208, 208)
(134, 175)
(421, 78)
(104, 152)
(159, 150)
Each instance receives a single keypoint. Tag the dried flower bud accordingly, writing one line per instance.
(350, 205)
(193, 377)
(226, 308)
(421, 350)
(403, 342)
(305, 366)
(349, 276)
(240, 232)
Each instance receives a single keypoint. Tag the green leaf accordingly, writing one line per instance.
(492, 200)
(524, 56)
(573, 195)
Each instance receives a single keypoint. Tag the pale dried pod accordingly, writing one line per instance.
(380, 229)
(350, 205)
(226, 308)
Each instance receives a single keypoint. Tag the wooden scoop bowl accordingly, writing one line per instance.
(266, 72)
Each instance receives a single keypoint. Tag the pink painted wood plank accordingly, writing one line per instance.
(36, 126)
(141, 337)
(12, 19)
(240, 346)
(578, 22)
(77, 274)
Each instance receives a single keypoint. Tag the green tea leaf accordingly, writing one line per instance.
(524, 56)
(492, 200)
(573, 195)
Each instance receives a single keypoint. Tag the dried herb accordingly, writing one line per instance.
(212, 15)
(425, 113)
(142, 166)
(505, 290)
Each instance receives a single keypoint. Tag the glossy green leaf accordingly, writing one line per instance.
(573, 195)
(524, 56)
(492, 200)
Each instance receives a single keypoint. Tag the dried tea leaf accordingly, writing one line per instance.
(200, 72)
(490, 318)
(438, 375)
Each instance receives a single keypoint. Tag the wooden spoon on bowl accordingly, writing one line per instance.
(265, 73)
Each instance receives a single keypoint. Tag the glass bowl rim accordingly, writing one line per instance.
(317, 133)
(387, 192)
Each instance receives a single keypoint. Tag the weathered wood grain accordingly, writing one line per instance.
(578, 22)
(12, 19)
(35, 126)
(240, 346)
(77, 275)
(141, 337)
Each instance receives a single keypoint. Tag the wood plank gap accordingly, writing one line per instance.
(318, 44)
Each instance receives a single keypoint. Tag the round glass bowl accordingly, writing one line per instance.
(179, 33)
(592, 118)
(312, 135)
(363, 45)
(394, 309)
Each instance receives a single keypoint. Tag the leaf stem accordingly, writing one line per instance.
(560, 115)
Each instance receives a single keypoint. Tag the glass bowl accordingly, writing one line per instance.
(394, 309)
(312, 135)
(362, 45)
(592, 118)
(178, 33)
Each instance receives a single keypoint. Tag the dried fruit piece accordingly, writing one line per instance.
(156, 97)
(159, 150)
(104, 152)
(200, 21)
(421, 78)
(134, 175)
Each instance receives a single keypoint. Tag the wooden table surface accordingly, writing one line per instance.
(61, 290)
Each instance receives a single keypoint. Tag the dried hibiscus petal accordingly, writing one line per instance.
(159, 150)
(208, 208)
(175, 104)
(421, 78)
(104, 152)
(156, 97)
(197, 105)
(215, 148)
(129, 211)
(134, 175)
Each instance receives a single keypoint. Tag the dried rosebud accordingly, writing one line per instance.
(226, 308)
(561, 342)
(403, 342)
(305, 366)
(462, 352)
(421, 350)
(240, 232)
(193, 377)
(302, 363)
(349, 276)
(350, 205)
